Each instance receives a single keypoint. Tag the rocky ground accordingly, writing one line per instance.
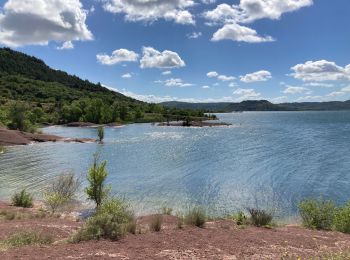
(14, 137)
(221, 239)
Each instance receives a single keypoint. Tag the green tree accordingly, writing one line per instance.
(101, 133)
(97, 190)
(17, 116)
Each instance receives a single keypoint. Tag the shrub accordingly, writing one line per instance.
(260, 217)
(342, 219)
(156, 223)
(97, 190)
(62, 190)
(196, 217)
(166, 210)
(28, 238)
(240, 218)
(318, 214)
(100, 133)
(22, 199)
(111, 221)
(180, 221)
(2, 149)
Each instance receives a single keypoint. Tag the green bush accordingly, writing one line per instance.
(342, 219)
(22, 199)
(259, 217)
(166, 210)
(97, 191)
(112, 220)
(240, 218)
(156, 223)
(28, 238)
(317, 214)
(100, 133)
(196, 217)
(61, 191)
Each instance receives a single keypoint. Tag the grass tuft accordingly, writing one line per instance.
(196, 217)
(22, 199)
(27, 238)
(259, 217)
(156, 223)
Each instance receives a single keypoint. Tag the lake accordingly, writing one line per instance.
(265, 159)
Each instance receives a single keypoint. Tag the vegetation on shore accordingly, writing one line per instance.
(31, 93)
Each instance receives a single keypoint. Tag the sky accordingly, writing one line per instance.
(191, 50)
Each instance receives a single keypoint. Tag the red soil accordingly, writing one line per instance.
(218, 240)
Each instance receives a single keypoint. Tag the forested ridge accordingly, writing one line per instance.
(34, 93)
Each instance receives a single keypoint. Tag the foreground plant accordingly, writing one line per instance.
(61, 191)
(97, 190)
(156, 223)
(112, 220)
(26, 238)
(317, 214)
(22, 199)
(259, 217)
(196, 217)
(100, 133)
(342, 219)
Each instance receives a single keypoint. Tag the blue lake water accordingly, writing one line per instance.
(266, 159)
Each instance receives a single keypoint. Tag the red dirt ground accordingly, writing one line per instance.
(218, 240)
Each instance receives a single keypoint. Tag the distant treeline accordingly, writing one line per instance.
(260, 105)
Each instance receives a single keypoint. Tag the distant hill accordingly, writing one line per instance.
(259, 105)
(18, 70)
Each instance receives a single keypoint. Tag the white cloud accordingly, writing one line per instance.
(321, 70)
(336, 94)
(194, 35)
(278, 100)
(346, 89)
(212, 74)
(126, 76)
(167, 72)
(66, 46)
(207, 2)
(239, 33)
(251, 10)
(247, 11)
(161, 60)
(121, 55)
(233, 85)
(226, 78)
(262, 75)
(41, 21)
(174, 82)
(310, 99)
(246, 94)
(319, 84)
(205, 87)
(294, 90)
(152, 10)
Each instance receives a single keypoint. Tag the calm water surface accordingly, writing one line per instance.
(270, 159)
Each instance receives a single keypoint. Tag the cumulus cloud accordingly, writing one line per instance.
(248, 11)
(194, 35)
(262, 75)
(212, 74)
(294, 90)
(176, 82)
(41, 21)
(205, 87)
(126, 76)
(167, 72)
(66, 46)
(246, 94)
(321, 70)
(319, 84)
(121, 55)
(152, 10)
(226, 78)
(239, 33)
(153, 58)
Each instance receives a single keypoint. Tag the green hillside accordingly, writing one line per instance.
(33, 92)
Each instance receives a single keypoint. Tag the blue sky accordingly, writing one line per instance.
(204, 50)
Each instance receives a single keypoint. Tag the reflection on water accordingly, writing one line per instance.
(267, 159)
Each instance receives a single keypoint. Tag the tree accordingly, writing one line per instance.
(101, 133)
(17, 116)
(97, 190)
